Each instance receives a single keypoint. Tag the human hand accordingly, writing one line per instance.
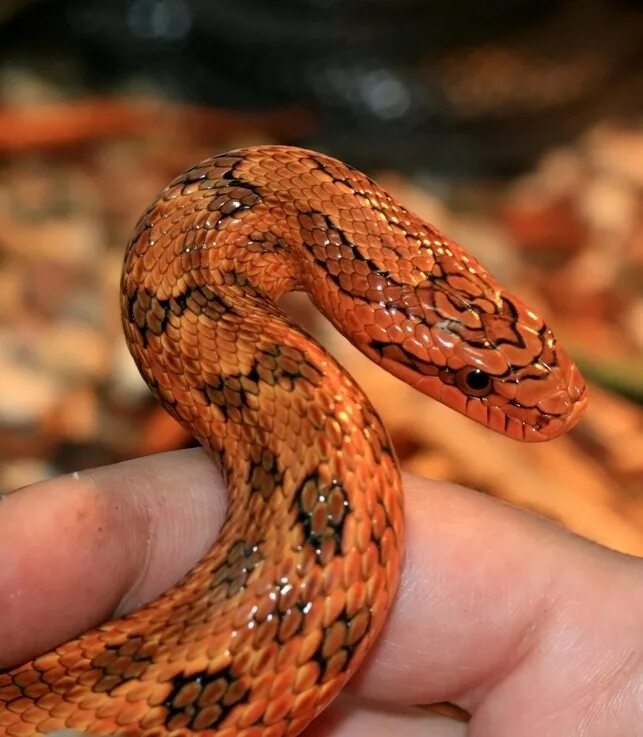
(536, 632)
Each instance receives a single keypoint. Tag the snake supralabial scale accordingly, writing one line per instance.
(261, 635)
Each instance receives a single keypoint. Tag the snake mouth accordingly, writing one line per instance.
(554, 424)
(577, 396)
(577, 390)
(563, 405)
(557, 426)
(578, 409)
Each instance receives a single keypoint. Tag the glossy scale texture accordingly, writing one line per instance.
(266, 629)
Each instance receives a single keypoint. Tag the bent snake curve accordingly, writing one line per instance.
(260, 636)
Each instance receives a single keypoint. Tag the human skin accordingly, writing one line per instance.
(534, 631)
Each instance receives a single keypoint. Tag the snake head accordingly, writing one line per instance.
(484, 353)
(510, 372)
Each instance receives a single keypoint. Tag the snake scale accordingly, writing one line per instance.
(259, 637)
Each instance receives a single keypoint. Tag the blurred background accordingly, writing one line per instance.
(514, 125)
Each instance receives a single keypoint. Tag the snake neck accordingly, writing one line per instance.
(275, 411)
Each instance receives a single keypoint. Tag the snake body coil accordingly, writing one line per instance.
(265, 630)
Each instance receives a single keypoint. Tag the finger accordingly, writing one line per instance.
(483, 587)
(502, 612)
(353, 717)
(76, 549)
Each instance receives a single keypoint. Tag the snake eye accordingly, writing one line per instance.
(473, 381)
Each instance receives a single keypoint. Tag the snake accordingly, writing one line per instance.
(260, 636)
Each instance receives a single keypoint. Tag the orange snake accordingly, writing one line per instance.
(258, 638)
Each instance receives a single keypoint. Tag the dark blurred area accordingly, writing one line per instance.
(458, 87)
(514, 125)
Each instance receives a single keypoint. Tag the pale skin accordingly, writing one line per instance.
(534, 631)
